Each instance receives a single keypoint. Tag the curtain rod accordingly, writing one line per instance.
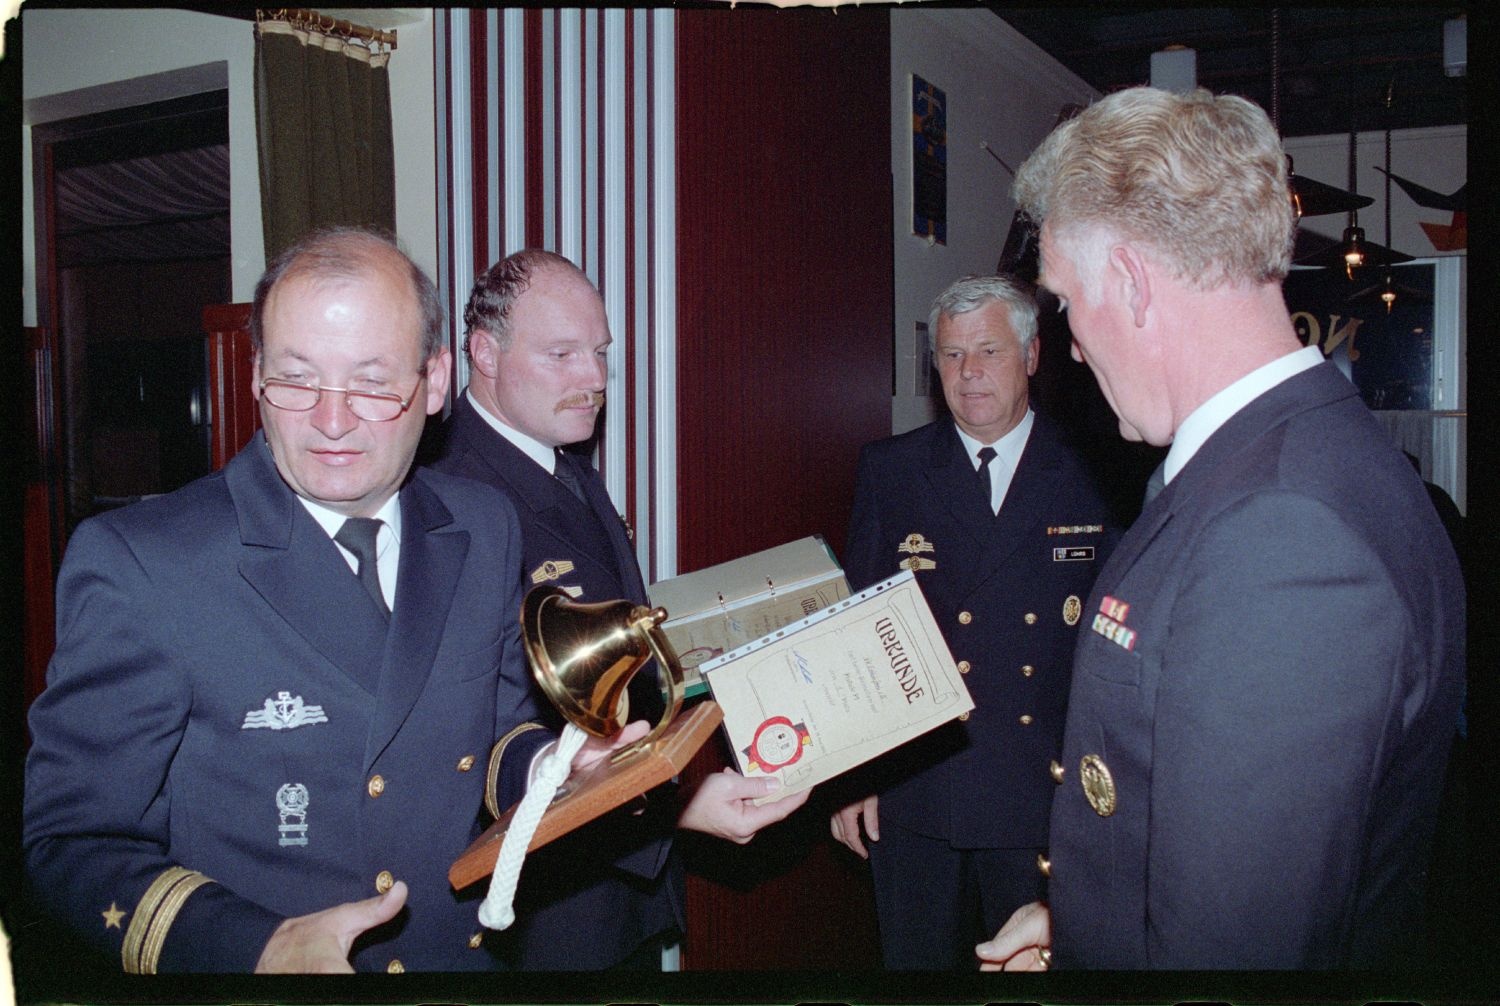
(322, 22)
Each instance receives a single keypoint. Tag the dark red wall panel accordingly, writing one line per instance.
(784, 303)
(784, 271)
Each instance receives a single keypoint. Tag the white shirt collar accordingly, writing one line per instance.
(530, 446)
(389, 515)
(1008, 451)
(1206, 419)
(1008, 448)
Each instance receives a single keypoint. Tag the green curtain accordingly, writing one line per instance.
(323, 127)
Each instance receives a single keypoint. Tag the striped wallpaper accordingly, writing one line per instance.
(556, 130)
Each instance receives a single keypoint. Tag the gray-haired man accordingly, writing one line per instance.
(1005, 532)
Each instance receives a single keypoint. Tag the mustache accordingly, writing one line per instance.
(594, 398)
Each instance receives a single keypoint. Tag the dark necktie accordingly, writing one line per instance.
(1155, 484)
(986, 488)
(568, 476)
(358, 536)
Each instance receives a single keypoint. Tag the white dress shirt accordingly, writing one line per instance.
(530, 446)
(1218, 410)
(1007, 456)
(387, 541)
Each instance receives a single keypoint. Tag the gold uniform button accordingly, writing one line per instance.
(476, 941)
(465, 763)
(963, 667)
(395, 967)
(384, 881)
(1031, 618)
(376, 785)
(964, 618)
(1028, 670)
(1057, 772)
(1044, 864)
(1026, 720)
(963, 716)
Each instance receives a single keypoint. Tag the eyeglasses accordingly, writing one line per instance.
(371, 406)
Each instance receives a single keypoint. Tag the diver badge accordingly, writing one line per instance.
(914, 544)
(285, 712)
(551, 570)
(1072, 610)
(1098, 784)
(291, 804)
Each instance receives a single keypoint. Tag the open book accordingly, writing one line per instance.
(715, 610)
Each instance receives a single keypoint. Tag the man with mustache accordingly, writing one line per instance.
(610, 895)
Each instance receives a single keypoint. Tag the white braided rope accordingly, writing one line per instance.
(496, 911)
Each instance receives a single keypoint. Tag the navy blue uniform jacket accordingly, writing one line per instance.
(1007, 591)
(590, 899)
(230, 737)
(1263, 702)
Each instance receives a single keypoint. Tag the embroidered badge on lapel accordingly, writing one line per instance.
(285, 712)
(1072, 610)
(1110, 623)
(551, 570)
(1076, 529)
(291, 804)
(914, 544)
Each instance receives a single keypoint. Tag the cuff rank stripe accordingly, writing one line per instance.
(497, 754)
(153, 918)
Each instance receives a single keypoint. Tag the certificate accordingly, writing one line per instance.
(837, 688)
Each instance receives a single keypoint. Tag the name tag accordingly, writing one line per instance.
(1081, 553)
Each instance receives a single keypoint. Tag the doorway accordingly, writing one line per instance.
(137, 243)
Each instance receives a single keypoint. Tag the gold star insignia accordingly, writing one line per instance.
(113, 916)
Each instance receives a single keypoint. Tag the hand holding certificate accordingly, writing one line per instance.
(845, 684)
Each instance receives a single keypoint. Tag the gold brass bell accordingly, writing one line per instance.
(584, 655)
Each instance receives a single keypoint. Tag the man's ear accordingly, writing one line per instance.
(439, 376)
(1129, 269)
(482, 350)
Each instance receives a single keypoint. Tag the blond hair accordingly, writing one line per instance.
(1200, 179)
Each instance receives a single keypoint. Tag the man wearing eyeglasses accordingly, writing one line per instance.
(271, 721)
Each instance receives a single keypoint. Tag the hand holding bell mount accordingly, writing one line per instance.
(583, 657)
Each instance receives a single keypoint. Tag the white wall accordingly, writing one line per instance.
(82, 61)
(1001, 89)
(414, 137)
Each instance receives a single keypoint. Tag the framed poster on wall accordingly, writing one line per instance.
(929, 161)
